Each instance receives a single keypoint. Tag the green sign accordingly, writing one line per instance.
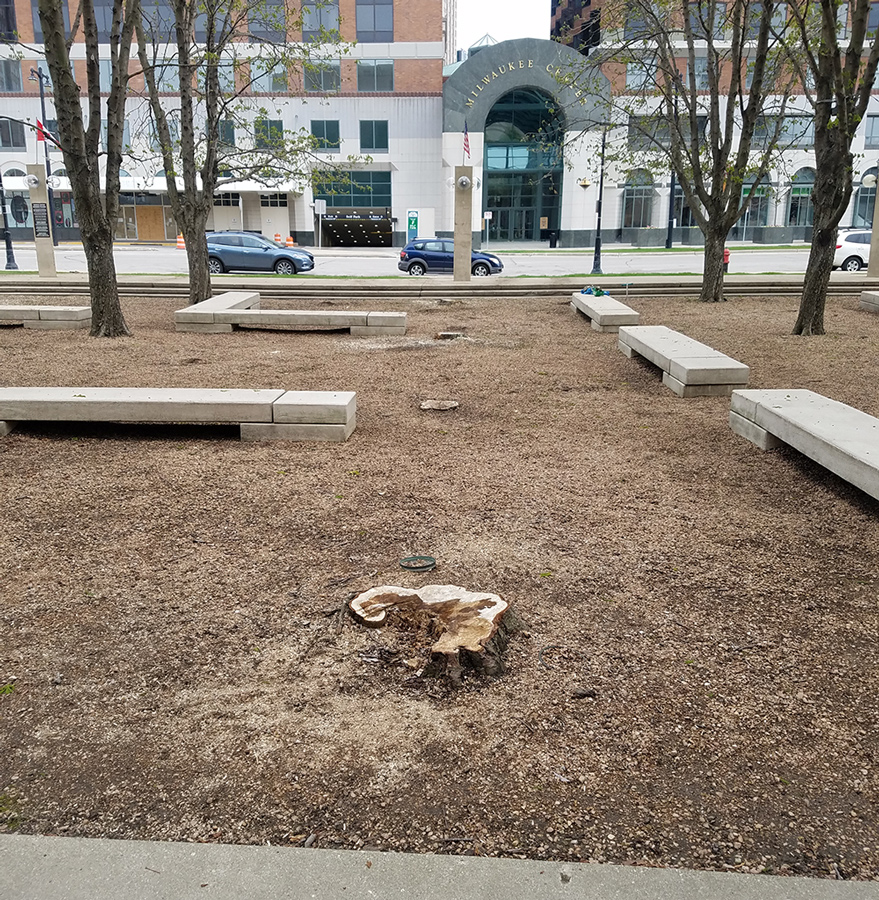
(412, 226)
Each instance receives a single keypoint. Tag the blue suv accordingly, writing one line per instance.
(245, 251)
(437, 255)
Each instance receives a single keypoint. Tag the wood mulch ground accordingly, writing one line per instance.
(696, 682)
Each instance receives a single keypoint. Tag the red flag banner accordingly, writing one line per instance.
(41, 135)
(466, 141)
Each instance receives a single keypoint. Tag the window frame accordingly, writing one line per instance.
(366, 14)
(368, 76)
(372, 129)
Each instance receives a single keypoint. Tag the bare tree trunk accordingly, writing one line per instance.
(810, 319)
(712, 277)
(107, 318)
(193, 230)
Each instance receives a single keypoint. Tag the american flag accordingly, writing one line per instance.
(466, 141)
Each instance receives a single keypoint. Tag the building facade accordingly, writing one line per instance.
(398, 103)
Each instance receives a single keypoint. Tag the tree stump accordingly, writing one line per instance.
(468, 629)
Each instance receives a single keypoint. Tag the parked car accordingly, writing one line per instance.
(437, 255)
(244, 251)
(852, 250)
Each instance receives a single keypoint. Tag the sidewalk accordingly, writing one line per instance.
(56, 868)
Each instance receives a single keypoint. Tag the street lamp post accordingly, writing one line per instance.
(7, 238)
(38, 75)
(596, 260)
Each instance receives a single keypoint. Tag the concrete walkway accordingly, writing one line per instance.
(56, 868)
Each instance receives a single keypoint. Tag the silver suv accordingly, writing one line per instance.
(852, 250)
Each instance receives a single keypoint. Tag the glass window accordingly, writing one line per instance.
(637, 26)
(38, 26)
(7, 20)
(273, 200)
(106, 74)
(228, 199)
(50, 126)
(776, 27)
(268, 77)
(158, 18)
(799, 131)
(323, 78)
(638, 200)
(873, 19)
(640, 75)
(356, 189)
(267, 21)
(373, 135)
(375, 75)
(10, 76)
(268, 133)
(800, 211)
(165, 74)
(225, 76)
(701, 22)
(871, 137)
(325, 133)
(12, 134)
(173, 128)
(865, 201)
(757, 213)
(700, 72)
(683, 215)
(226, 132)
(253, 241)
(842, 21)
(126, 135)
(375, 21)
(318, 19)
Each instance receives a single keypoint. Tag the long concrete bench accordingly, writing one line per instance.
(235, 309)
(605, 313)
(841, 438)
(46, 317)
(870, 301)
(262, 414)
(689, 368)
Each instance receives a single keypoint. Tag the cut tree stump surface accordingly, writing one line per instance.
(462, 621)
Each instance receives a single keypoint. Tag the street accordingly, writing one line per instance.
(359, 262)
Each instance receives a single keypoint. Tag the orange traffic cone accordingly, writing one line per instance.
(290, 241)
(181, 244)
(277, 237)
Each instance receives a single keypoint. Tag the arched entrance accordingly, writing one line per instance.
(524, 136)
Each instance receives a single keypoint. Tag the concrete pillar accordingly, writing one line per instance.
(39, 197)
(463, 221)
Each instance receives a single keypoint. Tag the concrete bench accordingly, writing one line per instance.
(261, 414)
(841, 438)
(46, 317)
(236, 309)
(605, 313)
(870, 301)
(689, 368)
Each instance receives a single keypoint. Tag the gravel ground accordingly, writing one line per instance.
(695, 683)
